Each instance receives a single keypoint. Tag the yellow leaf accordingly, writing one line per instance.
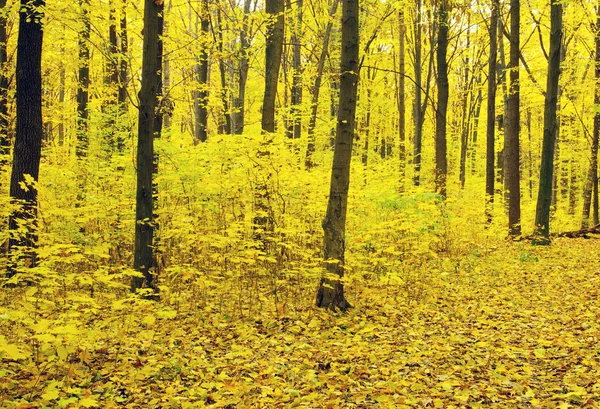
(539, 353)
(88, 402)
(11, 351)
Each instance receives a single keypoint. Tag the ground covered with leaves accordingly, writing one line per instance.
(510, 325)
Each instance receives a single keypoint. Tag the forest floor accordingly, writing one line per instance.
(513, 326)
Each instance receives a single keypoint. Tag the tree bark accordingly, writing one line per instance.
(296, 128)
(224, 127)
(4, 134)
(418, 137)
(28, 133)
(401, 102)
(239, 103)
(274, 50)
(441, 163)
(331, 289)
(201, 101)
(542, 213)
(512, 173)
(592, 179)
(83, 80)
(491, 113)
(144, 228)
(314, 102)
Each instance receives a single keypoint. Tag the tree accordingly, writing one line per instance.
(401, 101)
(202, 98)
(441, 162)
(491, 111)
(512, 173)
(296, 128)
(28, 132)
(314, 102)
(331, 289)
(144, 227)
(83, 82)
(591, 186)
(4, 78)
(273, 52)
(419, 114)
(542, 211)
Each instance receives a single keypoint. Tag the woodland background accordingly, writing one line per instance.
(447, 312)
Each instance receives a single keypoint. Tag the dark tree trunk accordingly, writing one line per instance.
(466, 110)
(512, 173)
(401, 103)
(202, 99)
(273, 53)
(592, 179)
(224, 127)
(441, 164)
(144, 227)
(331, 290)
(418, 137)
(542, 211)
(296, 126)
(28, 133)
(83, 82)
(314, 102)
(238, 116)
(123, 77)
(4, 134)
(491, 113)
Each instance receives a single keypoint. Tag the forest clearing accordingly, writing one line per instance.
(308, 203)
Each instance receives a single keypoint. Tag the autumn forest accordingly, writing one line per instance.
(299, 203)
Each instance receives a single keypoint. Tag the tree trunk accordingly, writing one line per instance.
(201, 101)
(592, 179)
(441, 164)
(83, 80)
(123, 77)
(401, 102)
(224, 127)
(466, 110)
(418, 137)
(238, 116)
(512, 173)
(314, 102)
(296, 130)
(331, 289)
(542, 211)
(4, 134)
(28, 133)
(144, 227)
(274, 49)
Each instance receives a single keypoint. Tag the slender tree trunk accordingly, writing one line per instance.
(542, 213)
(501, 76)
(274, 49)
(418, 137)
(476, 116)
(296, 130)
(592, 179)
(167, 102)
(512, 173)
(224, 127)
(331, 290)
(28, 134)
(83, 82)
(123, 66)
(466, 111)
(202, 98)
(441, 164)
(314, 102)
(239, 102)
(4, 134)
(144, 227)
(61, 102)
(401, 102)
